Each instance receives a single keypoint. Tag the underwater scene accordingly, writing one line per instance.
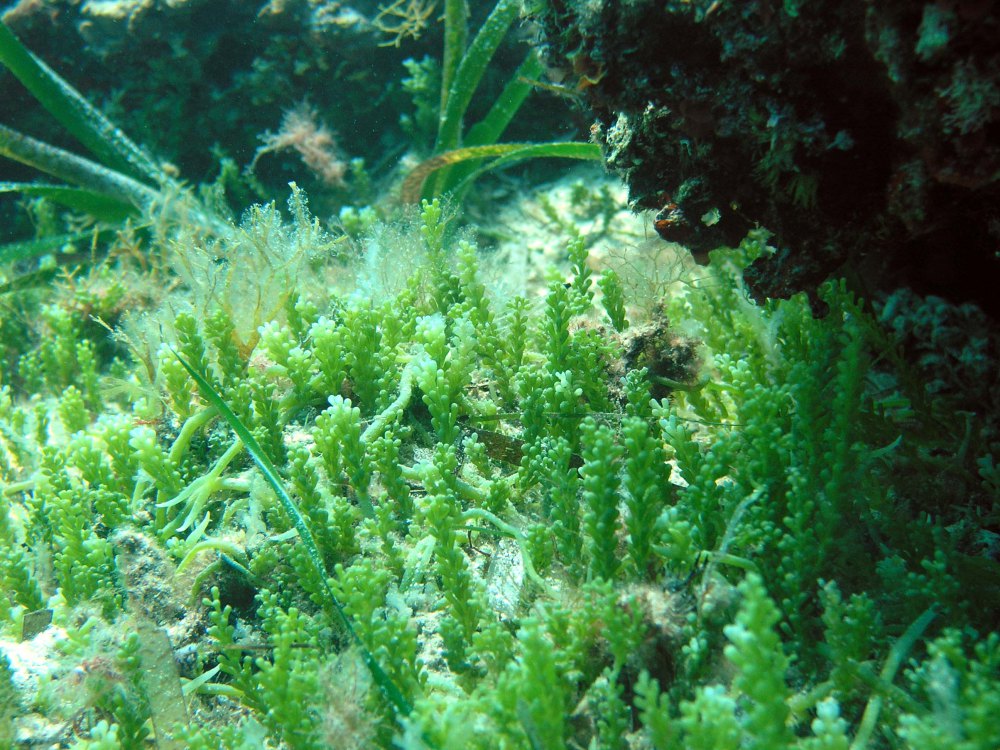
(500, 374)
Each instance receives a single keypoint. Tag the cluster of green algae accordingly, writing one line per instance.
(532, 551)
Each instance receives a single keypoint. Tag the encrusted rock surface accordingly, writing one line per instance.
(857, 132)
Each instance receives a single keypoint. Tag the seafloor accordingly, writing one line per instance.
(340, 409)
